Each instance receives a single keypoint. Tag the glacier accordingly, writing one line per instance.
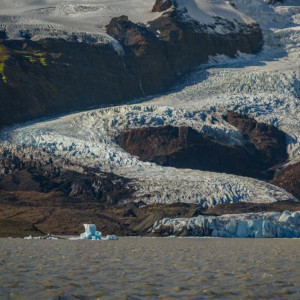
(89, 139)
(252, 225)
(265, 86)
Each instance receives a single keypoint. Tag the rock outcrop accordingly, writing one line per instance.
(189, 43)
(186, 148)
(288, 179)
(162, 5)
(43, 78)
(243, 208)
(268, 143)
(274, 1)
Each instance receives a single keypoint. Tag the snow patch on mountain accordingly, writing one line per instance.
(205, 12)
(85, 20)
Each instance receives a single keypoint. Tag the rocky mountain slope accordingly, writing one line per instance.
(57, 57)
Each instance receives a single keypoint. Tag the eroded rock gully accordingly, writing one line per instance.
(162, 5)
(288, 178)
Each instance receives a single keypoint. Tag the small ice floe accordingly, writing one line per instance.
(91, 233)
(46, 237)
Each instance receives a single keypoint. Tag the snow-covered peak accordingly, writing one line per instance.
(60, 18)
(205, 11)
(63, 18)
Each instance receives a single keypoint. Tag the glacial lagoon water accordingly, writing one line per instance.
(150, 268)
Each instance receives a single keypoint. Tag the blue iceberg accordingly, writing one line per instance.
(91, 233)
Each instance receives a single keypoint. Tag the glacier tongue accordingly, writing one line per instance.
(89, 139)
(252, 225)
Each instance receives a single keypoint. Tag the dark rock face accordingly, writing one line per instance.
(186, 148)
(133, 37)
(243, 208)
(274, 1)
(162, 5)
(268, 143)
(178, 45)
(3, 35)
(47, 77)
(144, 55)
(53, 76)
(289, 179)
(190, 43)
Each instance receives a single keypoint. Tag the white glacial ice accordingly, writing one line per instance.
(204, 11)
(252, 225)
(89, 139)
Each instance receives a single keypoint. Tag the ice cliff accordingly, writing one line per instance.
(252, 225)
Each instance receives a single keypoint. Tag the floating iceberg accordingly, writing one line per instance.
(251, 225)
(46, 237)
(91, 233)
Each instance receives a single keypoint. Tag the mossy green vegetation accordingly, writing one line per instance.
(30, 58)
(35, 57)
(4, 56)
(32, 55)
(43, 61)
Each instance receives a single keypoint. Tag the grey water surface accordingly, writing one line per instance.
(150, 268)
